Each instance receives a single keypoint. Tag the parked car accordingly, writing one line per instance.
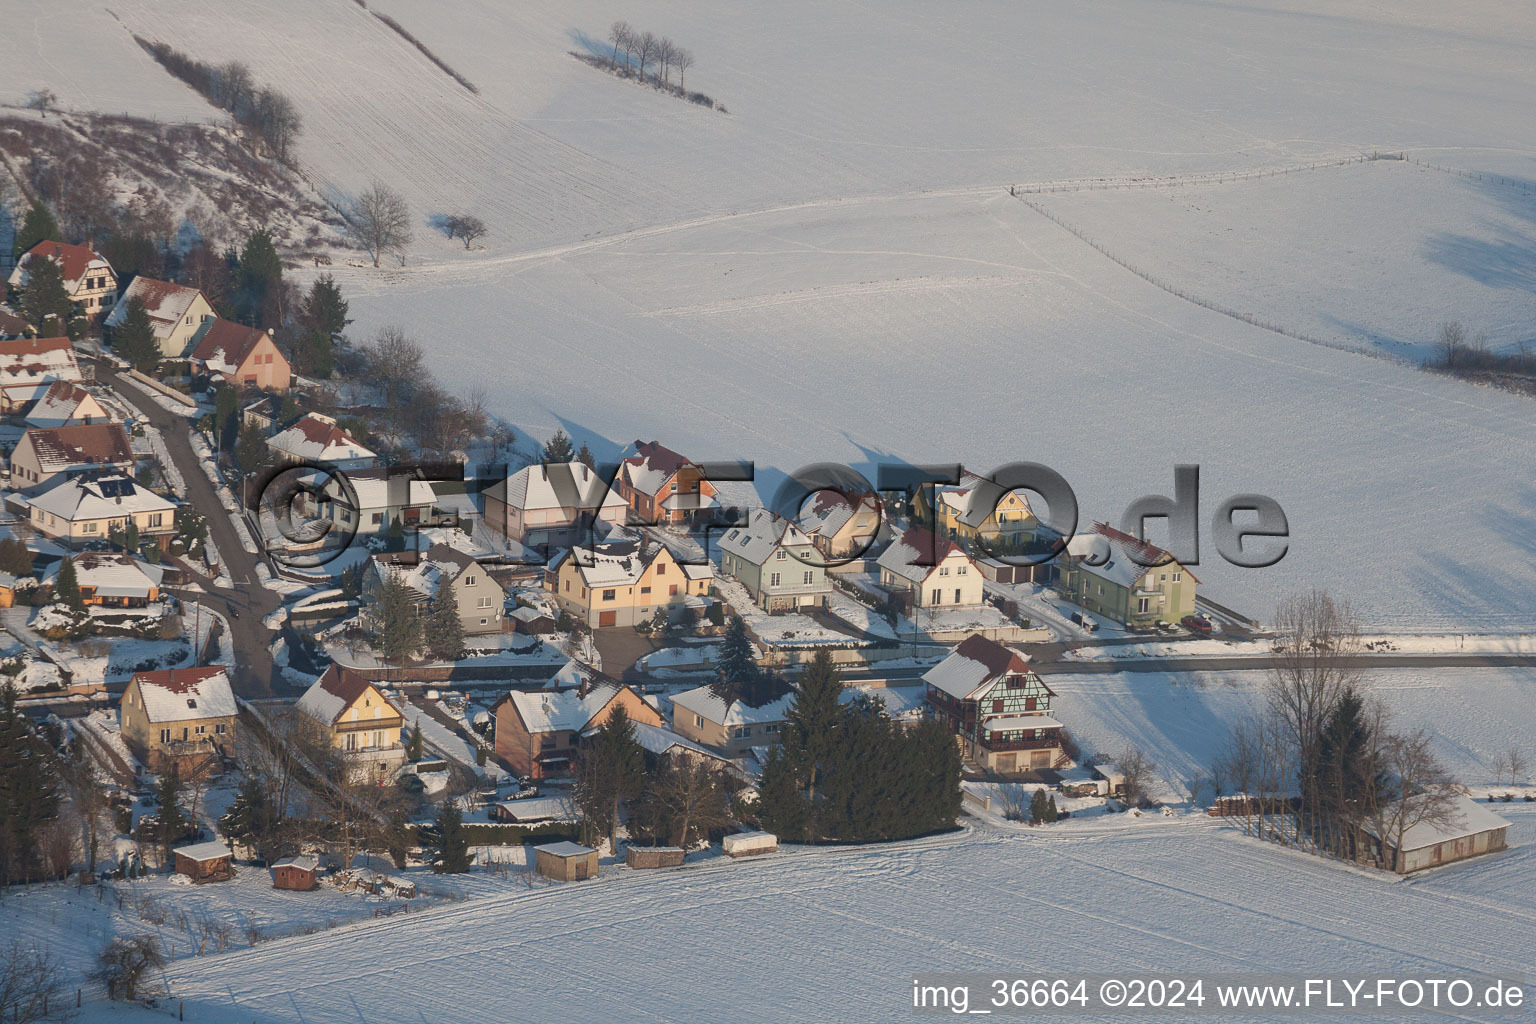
(1083, 620)
(1196, 624)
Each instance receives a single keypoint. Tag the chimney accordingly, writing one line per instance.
(543, 471)
(585, 687)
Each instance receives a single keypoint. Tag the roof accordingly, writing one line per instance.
(1121, 558)
(975, 663)
(901, 557)
(373, 490)
(182, 694)
(203, 852)
(32, 360)
(103, 495)
(569, 486)
(536, 808)
(59, 404)
(659, 740)
(618, 563)
(317, 438)
(59, 449)
(11, 325)
(764, 534)
(76, 262)
(304, 862)
(652, 466)
(427, 572)
(974, 499)
(113, 574)
(1466, 818)
(166, 303)
(223, 345)
(829, 511)
(564, 710)
(565, 849)
(1017, 722)
(707, 704)
(337, 689)
(901, 703)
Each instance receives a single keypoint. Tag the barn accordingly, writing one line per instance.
(565, 862)
(1469, 831)
(300, 874)
(205, 862)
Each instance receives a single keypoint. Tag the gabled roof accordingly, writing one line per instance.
(975, 665)
(166, 303)
(709, 706)
(974, 498)
(373, 487)
(334, 692)
(85, 444)
(563, 710)
(30, 360)
(59, 404)
(202, 853)
(764, 534)
(1465, 818)
(917, 542)
(425, 573)
(182, 694)
(76, 262)
(318, 438)
(829, 511)
(569, 486)
(11, 325)
(614, 563)
(113, 574)
(651, 467)
(1113, 550)
(223, 345)
(107, 495)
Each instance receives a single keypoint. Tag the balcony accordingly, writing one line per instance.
(1050, 742)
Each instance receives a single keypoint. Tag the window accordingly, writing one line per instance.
(957, 595)
(608, 595)
(470, 581)
(943, 570)
(781, 555)
(810, 577)
(88, 528)
(218, 729)
(938, 596)
(773, 579)
(1029, 703)
(201, 729)
(165, 735)
(645, 590)
(156, 518)
(661, 570)
(567, 586)
(773, 727)
(1141, 605)
(742, 732)
(1177, 577)
(482, 602)
(484, 622)
(962, 570)
(378, 518)
(1163, 578)
(997, 706)
(698, 721)
(672, 590)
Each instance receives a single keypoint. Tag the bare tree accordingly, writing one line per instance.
(88, 792)
(1510, 764)
(380, 222)
(646, 48)
(1138, 770)
(619, 35)
(465, 227)
(277, 121)
(664, 51)
(42, 101)
(1014, 801)
(126, 964)
(692, 797)
(682, 59)
(1422, 794)
(1450, 342)
(395, 364)
(31, 985)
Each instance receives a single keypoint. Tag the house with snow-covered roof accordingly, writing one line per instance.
(176, 313)
(553, 505)
(180, 715)
(731, 727)
(88, 278)
(349, 712)
(978, 506)
(65, 404)
(1409, 837)
(239, 355)
(113, 579)
(427, 574)
(539, 731)
(997, 707)
(29, 366)
(662, 486)
(933, 571)
(1120, 577)
(840, 525)
(776, 563)
(315, 438)
(93, 507)
(385, 497)
(625, 581)
(45, 454)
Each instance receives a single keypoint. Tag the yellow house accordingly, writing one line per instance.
(91, 508)
(624, 582)
(180, 715)
(355, 717)
(978, 506)
(176, 313)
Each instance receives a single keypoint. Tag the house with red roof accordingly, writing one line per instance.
(314, 437)
(47, 453)
(29, 366)
(66, 404)
(88, 277)
(241, 355)
(1120, 577)
(933, 571)
(351, 714)
(661, 486)
(181, 716)
(176, 312)
(998, 708)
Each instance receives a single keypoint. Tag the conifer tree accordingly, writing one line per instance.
(443, 630)
(324, 310)
(173, 824)
(259, 277)
(451, 856)
(558, 448)
(413, 747)
(134, 338)
(397, 623)
(585, 457)
(1037, 807)
(45, 298)
(29, 790)
(37, 225)
(734, 665)
(66, 587)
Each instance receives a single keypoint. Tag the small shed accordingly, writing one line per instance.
(654, 856)
(750, 844)
(300, 874)
(1112, 777)
(1469, 830)
(533, 810)
(565, 862)
(205, 862)
(531, 621)
(7, 590)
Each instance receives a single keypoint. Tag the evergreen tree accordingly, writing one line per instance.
(173, 824)
(451, 856)
(66, 587)
(134, 338)
(37, 225)
(1051, 813)
(397, 623)
(781, 806)
(250, 820)
(45, 298)
(226, 416)
(443, 630)
(15, 557)
(131, 536)
(251, 449)
(314, 355)
(734, 664)
(622, 759)
(812, 721)
(259, 275)
(1037, 807)
(585, 457)
(413, 746)
(558, 448)
(1346, 779)
(29, 791)
(324, 311)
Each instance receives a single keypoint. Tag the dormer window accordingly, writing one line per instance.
(191, 703)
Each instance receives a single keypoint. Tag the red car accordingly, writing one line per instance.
(1196, 623)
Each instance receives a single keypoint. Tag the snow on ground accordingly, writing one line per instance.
(788, 629)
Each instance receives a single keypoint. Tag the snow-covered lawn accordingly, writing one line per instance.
(789, 629)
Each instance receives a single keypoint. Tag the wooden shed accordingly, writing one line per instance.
(1469, 830)
(205, 862)
(300, 873)
(565, 862)
(654, 856)
(750, 844)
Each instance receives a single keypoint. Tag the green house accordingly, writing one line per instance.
(1107, 573)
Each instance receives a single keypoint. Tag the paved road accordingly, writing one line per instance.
(247, 603)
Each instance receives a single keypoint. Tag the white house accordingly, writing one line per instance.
(66, 404)
(316, 438)
(553, 505)
(90, 508)
(29, 366)
(949, 579)
(480, 599)
(176, 313)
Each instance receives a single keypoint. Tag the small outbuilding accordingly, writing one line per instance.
(1467, 829)
(300, 874)
(565, 862)
(654, 856)
(1111, 777)
(750, 844)
(205, 862)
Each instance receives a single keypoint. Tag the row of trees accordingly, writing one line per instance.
(645, 49)
(401, 631)
(267, 116)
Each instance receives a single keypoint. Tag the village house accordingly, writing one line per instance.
(537, 732)
(624, 582)
(112, 579)
(239, 355)
(659, 741)
(556, 505)
(978, 507)
(384, 498)
(176, 313)
(205, 862)
(731, 727)
(350, 713)
(29, 366)
(1136, 584)
(184, 716)
(88, 277)
(777, 564)
(315, 438)
(89, 508)
(996, 706)
(478, 598)
(66, 404)
(841, 526)
(932, 571)
(45, 454)
(663, 487)
(1465, 829)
